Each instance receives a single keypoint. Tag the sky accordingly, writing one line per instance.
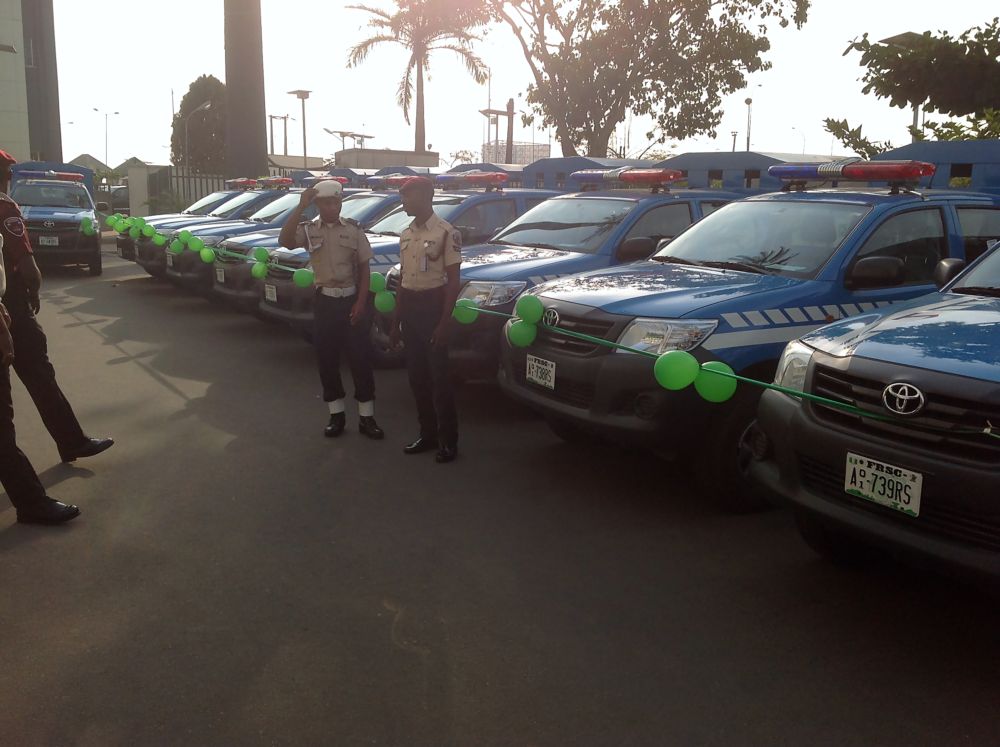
(141, 65)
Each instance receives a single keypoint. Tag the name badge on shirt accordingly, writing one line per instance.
(423, 263)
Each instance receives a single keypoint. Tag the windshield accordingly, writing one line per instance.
(273, 209)
(985, 276)
(777, 237)
(354, 207)
(52, 195)
(205, 204)
(233, 204)
(394, 223)
(573, 224)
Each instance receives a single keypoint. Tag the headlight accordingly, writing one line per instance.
(660, 335)
(396, 269)
(492, 294)
(793, 365)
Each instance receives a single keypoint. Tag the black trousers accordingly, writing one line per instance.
(427, 366)
(16, 473)
(33, 368)
(333, 333)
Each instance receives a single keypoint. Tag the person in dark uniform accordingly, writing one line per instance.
(430, 253)
(17, 475)
(339, 254)
(31, 362)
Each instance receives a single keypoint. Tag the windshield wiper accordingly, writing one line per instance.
(537, 245)
(732, 265)
(674, 260)
(385, 233)
(979, 290)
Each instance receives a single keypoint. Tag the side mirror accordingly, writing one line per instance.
(946, 270)
(468, 235)
(876, 272)
(663, 242)
(636, 248)
(102, 207)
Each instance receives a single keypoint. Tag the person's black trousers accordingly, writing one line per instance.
(333, 333)
(33, 368)
(427, 366)
(16, 473)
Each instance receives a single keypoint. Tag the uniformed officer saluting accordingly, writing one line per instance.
(430, 252)
(339, 254)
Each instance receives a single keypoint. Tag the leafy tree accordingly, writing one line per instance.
(206, 129)
(853, 140)
(422, 27)
(594, 61)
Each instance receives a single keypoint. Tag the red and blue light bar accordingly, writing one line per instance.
(276, 182)
(385, 180)
(63, 176)
(627, 175)
(484, 178)
(241, 183)
(854, 169)
(312, 181)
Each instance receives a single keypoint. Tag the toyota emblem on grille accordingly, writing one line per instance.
(551, 318)
(49, 224)
(903, 399)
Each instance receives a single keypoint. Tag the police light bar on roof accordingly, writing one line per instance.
(488, 178)
(382, 181)
(312, 181)
(65, 176)
(242, 183)
(276, 182)
(854, 169)
(627, 175)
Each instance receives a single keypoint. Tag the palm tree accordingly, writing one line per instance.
(422, 27)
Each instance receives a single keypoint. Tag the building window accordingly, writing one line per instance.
(29, 52)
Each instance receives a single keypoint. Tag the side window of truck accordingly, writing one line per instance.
(480, 222)
(978, 226)
(916, 237)
(662, 222)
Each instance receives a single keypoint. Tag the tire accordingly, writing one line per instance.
(384, 356)
(568, 432)
(96, 264)
(838, 548)
(719, 460)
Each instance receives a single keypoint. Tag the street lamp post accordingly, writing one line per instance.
(303, 95)
(803, 136)
(749, 103)
(106, 115)
(187, 140)
(907, 41)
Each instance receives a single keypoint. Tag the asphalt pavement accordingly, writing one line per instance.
(237, 579)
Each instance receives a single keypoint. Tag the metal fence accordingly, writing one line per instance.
(180, 184)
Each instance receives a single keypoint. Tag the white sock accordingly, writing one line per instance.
(366, 409)
(336, 407)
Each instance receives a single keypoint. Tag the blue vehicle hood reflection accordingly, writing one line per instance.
(498, 262)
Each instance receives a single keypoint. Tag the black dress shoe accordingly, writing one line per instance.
(420, 445)
(369, 427)
(446, 454)
(49, 511)
(336, 425)
(88, 448)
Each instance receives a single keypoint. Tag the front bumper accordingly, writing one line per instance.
(233, 282)
(126, 247)
(291, 304)
(151, 257)
(958, 527)
(187, 269)
(73, 248)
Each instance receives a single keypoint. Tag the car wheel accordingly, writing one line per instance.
(719, 458)
(96, 264)
(383, 354)
(568, 432)
(837, 547)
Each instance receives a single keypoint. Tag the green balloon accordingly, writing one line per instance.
(134, 232)
(529, 308)
(259, 270)
(159, 239)
(110, 221)
(676, 370)
(207, 255)
(195, 244)
(714, 381)
(184, 236)
(303, 277)
(120, 226)
(86, 221)
(466, 311)
(521, 333)
(176, 247)
(89, 231)
(385, 301)
(261, 254)
(130, 221)
(377, 282)
(148, 231)
(139, 222)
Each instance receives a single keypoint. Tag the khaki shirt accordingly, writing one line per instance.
(425, 252)
(335, 249)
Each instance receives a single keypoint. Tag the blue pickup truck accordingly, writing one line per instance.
(911, 466)
(735, 287)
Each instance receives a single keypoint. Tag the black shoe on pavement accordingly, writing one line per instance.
(49, 511)
(420, 445)
(368, 427)
(88, 448)
(446, 454)
(336, 425)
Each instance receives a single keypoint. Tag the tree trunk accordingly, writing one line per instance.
(419, 135)
(565, 142)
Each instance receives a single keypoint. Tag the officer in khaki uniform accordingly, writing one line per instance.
(339, 254)
(430, 252)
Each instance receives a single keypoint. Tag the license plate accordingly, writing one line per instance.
(170, 259)
(884, 484)
(121, 252)
(48, 241)
(271, 293)
(220, 275)
(541, 372)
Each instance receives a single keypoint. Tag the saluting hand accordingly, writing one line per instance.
(307, 196)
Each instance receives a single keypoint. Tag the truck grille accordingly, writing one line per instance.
(934, 428)
(593, 327)
(936, 518)
(244, 251)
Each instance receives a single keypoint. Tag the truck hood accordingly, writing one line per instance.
(224, 227)
(655, 289)
(947, 332)
(267, 238)
(62, 214)
(498, 262)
